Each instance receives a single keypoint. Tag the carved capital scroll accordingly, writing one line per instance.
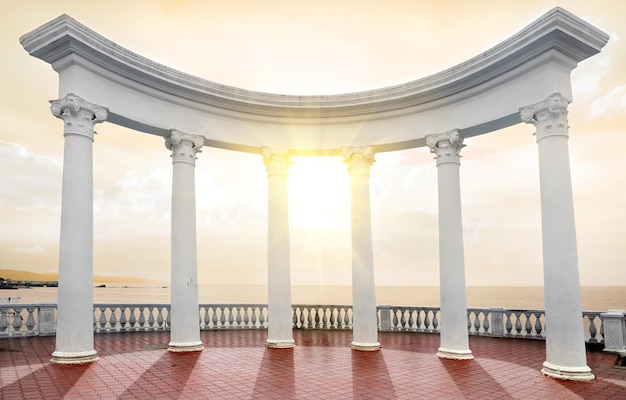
(446, 146)
(184, 146)
(549, 116)
(79, 115)
(359, 159)
(276, 160)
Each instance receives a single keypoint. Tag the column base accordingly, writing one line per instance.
(74, 357)
(455, 354)
(567, 373)
(184, 347)
(280, 344)
(365, 346)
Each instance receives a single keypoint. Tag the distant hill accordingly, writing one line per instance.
(18, 275)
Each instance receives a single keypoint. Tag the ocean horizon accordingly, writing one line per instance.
(594, 298)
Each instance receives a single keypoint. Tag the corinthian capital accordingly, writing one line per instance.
(549, 116)
(78, 114)
(184, 146)
(446, 146)
(359, 159)
(276, 160)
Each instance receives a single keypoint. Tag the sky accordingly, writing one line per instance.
(321, 47)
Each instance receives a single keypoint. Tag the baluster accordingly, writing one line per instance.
(231, 317)
(411, 319)
(402, 319)
(325, 318)
(222, 317)
(309, 318)
(538, 327)
(168, 319)
(477, 321)
(508, 324)
(4, 321)
(262, 317)
(592, 329)
(132, 321)
(103, 320)
(160, 317)
(518, 322)
(113, 319)
(204, 317)
(528, 326)
(238, 319)
(435, 320)
(332, 318)
(469, 321)
(418, 319)
(347, 318)
(142, 317)
(123, 318)
(17, 319)
(395, 321)
(253, 317)
(427, 320)
(30, 321)
(316, 320)
(214, 317)
(246, 317)
(602, 328)
(486, 323)
(151, 317)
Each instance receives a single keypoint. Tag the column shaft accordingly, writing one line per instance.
(454, 341)
(185, 319)
(565, 342)
(280, 325)
(74, 336)
(365, 322)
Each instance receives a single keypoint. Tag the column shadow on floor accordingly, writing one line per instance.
(172, 370)
(370, 377)
(276, 378)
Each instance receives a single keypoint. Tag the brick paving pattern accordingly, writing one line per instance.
(236, 365)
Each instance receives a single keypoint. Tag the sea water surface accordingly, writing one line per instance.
(594, 298)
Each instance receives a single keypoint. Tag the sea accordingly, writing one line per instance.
(594, 298)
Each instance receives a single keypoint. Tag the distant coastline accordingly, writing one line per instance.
(19, 275)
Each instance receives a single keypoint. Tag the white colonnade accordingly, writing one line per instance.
(74, 338)
(365, 324)
(454, 340)
(280, 331)
(565, 342)
(185, 324)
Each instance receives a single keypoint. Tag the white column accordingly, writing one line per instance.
(565, 342)
(185, 320)
(454, 342)
(280, 329)
(74, 337)
(365, 324)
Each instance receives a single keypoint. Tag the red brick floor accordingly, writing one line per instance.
(236, 365)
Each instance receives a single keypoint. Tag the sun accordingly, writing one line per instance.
(319, 192)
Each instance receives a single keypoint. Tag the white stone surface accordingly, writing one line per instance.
(74, 338)
(279, 331)
(454, 342)
(565, 341)
(477, 96)
(365, 324)
(185, 324)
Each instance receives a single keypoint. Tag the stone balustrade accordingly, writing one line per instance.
(39, 320)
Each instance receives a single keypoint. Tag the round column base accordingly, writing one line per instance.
(365, 346)
(280, 344)
(74, 357)
(567, 373)
(455, 354)
(184, 347)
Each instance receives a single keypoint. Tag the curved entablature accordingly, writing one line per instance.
(475, 97)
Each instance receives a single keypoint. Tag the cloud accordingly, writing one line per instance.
(610, 102)
(29, 250)
(30, 180)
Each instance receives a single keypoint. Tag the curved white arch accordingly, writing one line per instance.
(478, 96)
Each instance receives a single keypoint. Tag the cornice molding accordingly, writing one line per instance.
(557, 30)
